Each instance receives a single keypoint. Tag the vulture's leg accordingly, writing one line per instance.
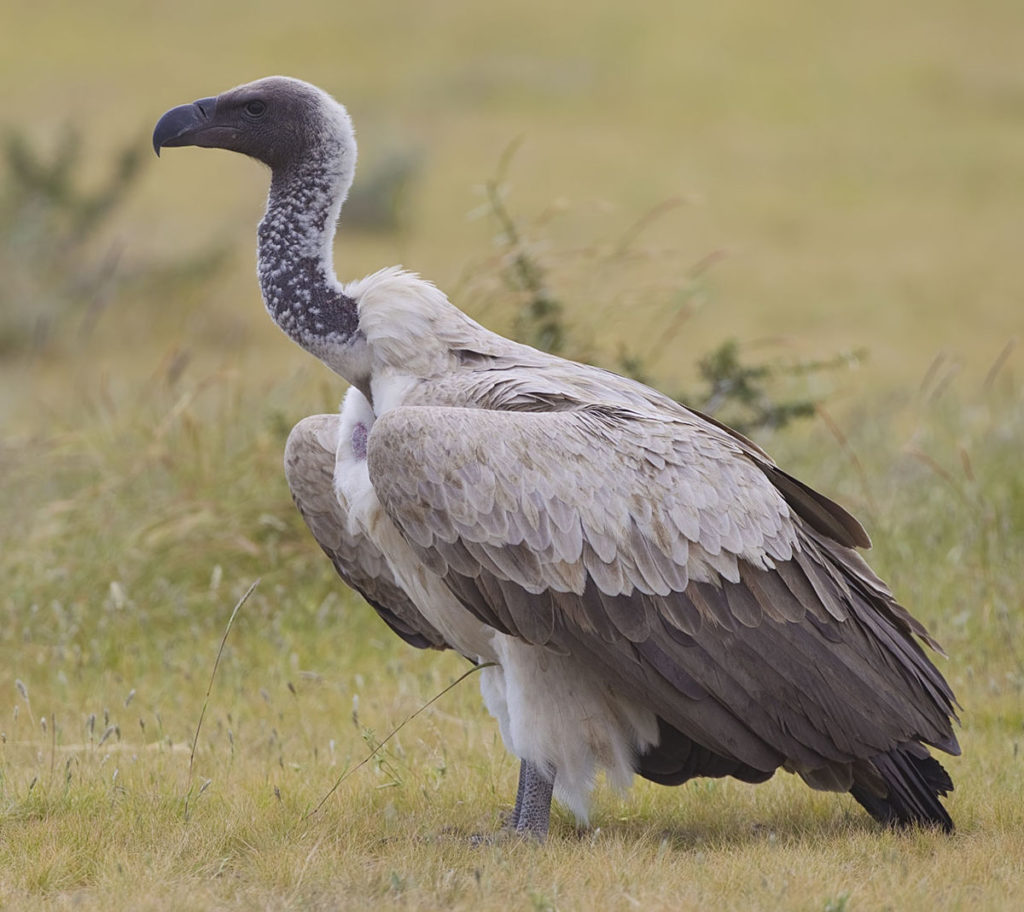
(532, 813)
(513, 821)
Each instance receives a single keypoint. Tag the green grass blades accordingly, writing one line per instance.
(139, 531)
(810, 179)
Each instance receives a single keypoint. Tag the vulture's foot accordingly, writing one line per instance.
(532, 813)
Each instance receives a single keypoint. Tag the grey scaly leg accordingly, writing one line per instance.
(532, 813)
(513, 821)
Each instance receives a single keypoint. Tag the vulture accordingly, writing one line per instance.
(651, 593)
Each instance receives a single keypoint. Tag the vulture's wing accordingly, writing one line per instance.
(309, 464)
(662, 552)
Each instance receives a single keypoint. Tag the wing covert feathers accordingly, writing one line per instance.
(699, 579)
(309, 467)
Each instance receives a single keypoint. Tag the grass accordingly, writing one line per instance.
(856, 169)
(141, 528)
(846, 179)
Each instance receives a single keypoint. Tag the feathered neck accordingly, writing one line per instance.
(295, 256)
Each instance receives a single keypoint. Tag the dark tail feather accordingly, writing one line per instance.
(677, 759)
(914, 783)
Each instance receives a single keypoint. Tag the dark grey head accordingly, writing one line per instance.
(277, 120)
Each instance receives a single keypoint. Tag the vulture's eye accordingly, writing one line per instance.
(255, 108)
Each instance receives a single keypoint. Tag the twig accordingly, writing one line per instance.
(685, 310)
(998, 365)
(213, 674)
(844, 445)
(648, 218)
(53, 744)
(947, 476)
(394, 732)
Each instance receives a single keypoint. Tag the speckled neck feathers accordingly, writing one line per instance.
(295, 261)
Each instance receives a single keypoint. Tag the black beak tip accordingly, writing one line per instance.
(180, 124)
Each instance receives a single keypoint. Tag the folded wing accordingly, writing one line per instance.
(310, 460)
(691, 572)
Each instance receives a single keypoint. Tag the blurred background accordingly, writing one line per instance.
(812, 180)
(803, 216)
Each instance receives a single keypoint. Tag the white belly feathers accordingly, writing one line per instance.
(552, 710)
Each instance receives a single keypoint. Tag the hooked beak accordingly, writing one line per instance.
(190, 125)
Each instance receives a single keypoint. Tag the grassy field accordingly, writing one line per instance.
(854, 175)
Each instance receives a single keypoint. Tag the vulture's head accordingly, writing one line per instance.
(277, 120)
